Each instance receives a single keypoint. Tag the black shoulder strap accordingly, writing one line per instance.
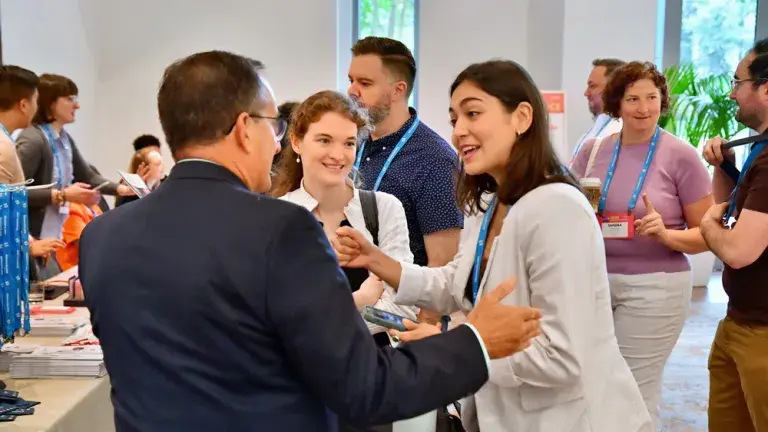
(370, 213)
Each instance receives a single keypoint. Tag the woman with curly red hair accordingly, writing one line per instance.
(654, 192)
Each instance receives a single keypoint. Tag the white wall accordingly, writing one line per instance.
(555, 40)
(455, 33)
(601, 28)
(34, 37)
(116, 51)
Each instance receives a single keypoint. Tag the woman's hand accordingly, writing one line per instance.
(652, 224)
(124, 190)
(369, 293)
(352, 248)
(415, 331)
(43, 247)
(144, 172)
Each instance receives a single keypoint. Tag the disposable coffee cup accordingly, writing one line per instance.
(593, 187)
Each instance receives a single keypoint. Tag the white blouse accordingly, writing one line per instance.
(393, 239)
(572, 378)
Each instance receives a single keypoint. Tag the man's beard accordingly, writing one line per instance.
(750, 119)
(595, 109)
(380, 111)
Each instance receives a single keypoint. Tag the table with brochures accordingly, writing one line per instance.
(66, 405)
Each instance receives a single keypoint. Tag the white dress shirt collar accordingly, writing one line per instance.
(353, 210)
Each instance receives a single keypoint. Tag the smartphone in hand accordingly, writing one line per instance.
(106, 183)
(383, 318)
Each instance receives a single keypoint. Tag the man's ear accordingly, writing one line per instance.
(401, 88)
(241, 132)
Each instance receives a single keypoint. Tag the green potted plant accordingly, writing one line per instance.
(700, 108)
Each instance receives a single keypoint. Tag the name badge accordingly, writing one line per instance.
(617, 226)
(64, 210)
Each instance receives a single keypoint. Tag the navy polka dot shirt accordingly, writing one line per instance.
(422, 176)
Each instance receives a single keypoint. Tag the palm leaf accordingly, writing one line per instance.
(700, 107)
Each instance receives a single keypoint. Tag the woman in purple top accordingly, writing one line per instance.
(649, 274)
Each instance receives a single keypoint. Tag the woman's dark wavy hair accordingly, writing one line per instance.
(532, 160)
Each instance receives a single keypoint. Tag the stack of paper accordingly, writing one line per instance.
(55, 325)
(82, 336)
(9, 351)
(55, 362)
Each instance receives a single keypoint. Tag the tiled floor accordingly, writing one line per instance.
(686, 380)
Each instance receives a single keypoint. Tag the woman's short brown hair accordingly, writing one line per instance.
(628, 74)
(532, 161)
(50, 88)
(289, 172)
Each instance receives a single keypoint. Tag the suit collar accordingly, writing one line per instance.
(204, 169)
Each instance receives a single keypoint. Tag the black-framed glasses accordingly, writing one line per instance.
(279, 125)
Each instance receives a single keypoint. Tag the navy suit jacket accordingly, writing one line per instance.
(219, 309)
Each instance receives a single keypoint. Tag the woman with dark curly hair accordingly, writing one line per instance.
(654, 192)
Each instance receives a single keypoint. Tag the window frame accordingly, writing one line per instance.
(415, 51)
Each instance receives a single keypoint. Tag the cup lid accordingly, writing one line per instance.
(590, 182)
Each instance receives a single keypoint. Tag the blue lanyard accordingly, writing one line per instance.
(403, 141)
(640, 178)
(23, 196)
(753, 153)
(14, 262)
(480, 248)
(56, 154)
(584, 138)
(5, 131)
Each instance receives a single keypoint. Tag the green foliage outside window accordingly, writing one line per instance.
(395, 19)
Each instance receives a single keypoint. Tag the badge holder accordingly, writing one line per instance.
(75, 298)
(617, 225)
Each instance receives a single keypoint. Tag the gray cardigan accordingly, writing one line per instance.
(37, 162)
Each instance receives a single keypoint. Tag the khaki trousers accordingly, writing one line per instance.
(738, 378)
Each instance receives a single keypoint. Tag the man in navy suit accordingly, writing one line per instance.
(221, 309)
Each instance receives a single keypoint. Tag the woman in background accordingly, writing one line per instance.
(650, 275)
(538, 227)
(147, 162)
(49, 155)
(315, 174)
(284, 113)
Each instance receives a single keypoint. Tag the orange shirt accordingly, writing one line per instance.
(79, 216)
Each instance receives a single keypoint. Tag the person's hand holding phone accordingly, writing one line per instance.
(81, 193)
(415, 331)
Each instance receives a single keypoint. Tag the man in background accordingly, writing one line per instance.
(404, 157)
(603, 124)
(221, 309)
(738, 361)
(18, 104)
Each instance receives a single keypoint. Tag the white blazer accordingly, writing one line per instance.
(393, 239)
(572, 377)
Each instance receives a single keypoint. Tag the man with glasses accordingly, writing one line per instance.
(738, 362)
(221, 309)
